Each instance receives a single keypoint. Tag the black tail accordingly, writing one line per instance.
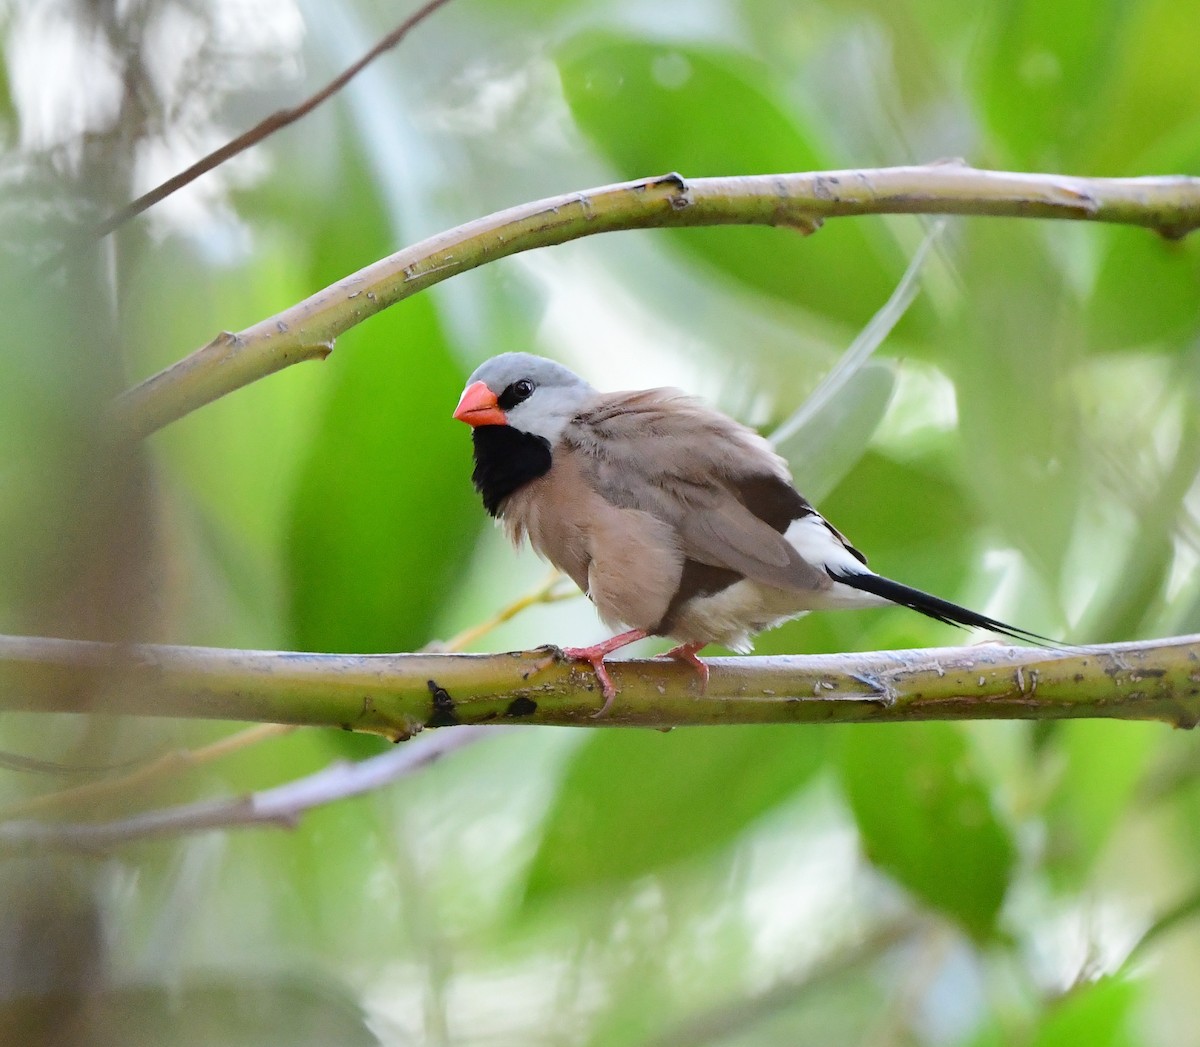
(934, 606)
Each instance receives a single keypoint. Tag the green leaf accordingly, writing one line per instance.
(1145, 292)
(384, 513)
(1152, 94)
(925, 818)
(637, 101)
(635, 802)
(835, 437)
(1042, 74)
(1102, 763)
(1019, 412)
(1097, 1015)
(7, 111)
(236, 504)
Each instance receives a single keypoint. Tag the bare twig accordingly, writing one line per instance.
(306, 331)
(551, 590)
(23, 764)
(275, 122)
(281, 806)
(397, 695)
(723, 1022)
(164, 766)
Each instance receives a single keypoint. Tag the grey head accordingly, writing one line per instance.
(537, 395)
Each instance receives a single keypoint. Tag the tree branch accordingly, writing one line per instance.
(1170, 205)
(396, 695)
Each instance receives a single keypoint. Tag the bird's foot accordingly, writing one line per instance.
(595, 655)
(686, 653)
(607, 687)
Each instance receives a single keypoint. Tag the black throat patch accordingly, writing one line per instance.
(506, 459)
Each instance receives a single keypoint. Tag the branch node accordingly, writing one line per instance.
(804, 224)
(1175, 233)
(679, 200)
(1077, 199)
(444, 714)
(882, 691)
(1185, 719)
(551, 653)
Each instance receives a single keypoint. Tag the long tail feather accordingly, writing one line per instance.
(934, 606)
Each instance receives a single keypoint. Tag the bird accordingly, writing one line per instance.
(674, 519)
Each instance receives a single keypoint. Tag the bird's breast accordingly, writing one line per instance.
(555, 514)
(625, 559)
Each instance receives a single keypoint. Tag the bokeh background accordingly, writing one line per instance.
(1025, 442)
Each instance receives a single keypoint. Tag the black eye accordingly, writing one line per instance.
(516, 392)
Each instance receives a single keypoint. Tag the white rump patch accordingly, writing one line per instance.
(811, 537)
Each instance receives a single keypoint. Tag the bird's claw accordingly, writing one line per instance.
(595, 656)
(686, 653)
(595, 659)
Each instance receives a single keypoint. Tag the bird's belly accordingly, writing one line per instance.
(734, 615)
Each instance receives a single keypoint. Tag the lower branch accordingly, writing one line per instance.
(396, 695)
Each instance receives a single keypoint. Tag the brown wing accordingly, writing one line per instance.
(662, 453)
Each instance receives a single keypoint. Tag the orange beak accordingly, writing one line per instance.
(479, 406)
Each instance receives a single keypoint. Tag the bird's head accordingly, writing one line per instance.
(529, 393)
(517, 406)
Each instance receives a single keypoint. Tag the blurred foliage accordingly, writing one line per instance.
(925, 817)
(688, 772)
(606, 79)
(1026, 442)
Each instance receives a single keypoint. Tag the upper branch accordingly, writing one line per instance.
(398, 694)
(1170, 205)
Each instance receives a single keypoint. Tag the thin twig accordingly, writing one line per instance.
(280, 806)
(34, 765)
(726, 1021)
(549, 591)
(275, 122)
(164, 766)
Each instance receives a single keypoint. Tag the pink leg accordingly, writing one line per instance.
(686, 653)
(595, 656)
